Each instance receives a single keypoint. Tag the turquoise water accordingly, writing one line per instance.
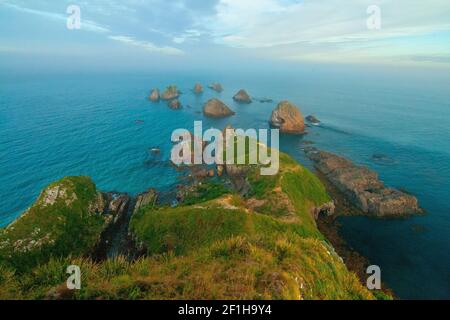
(57, 125)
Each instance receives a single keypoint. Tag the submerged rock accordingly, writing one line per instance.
(362, 187)
(288, 118)
(170, 93)
(313, 120)
(215, 108)
(242, 97)
(216, 87)
(154, 95)
(198, 88)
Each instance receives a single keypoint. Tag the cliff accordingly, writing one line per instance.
(216, 244)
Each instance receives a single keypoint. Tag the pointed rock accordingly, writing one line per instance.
(288, 118)
(154, 95)
(242, 97)
(215, 108)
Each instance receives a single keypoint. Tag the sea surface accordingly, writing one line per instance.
(102, 125)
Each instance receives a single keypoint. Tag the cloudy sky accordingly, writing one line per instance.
(172, 32)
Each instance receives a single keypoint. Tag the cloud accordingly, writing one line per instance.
(267, 23)
(86, 25)
(146, 45)
(91, 26)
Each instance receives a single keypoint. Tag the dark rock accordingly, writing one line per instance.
(242, 97)
(326, 210)
(265, 100)
(313, 120)
(215, 108)
(288, 118)
(362, 187)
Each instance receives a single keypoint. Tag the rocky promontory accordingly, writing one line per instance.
(362, 187)
(215, 108)
(242, 97)
(288, 118)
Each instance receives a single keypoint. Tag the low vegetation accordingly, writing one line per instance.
(216, 245)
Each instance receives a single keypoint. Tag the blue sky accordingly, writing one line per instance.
(218, 32)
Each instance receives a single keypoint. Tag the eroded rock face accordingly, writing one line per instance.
(288, 118)
(242, 97)
(198, 88)
(216, 87)
(215, 108)
(154, 95)
(326, 209)
(145, 199)
(362, 186)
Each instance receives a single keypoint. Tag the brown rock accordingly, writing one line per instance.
(154, 95)
(216, 87)
(170, 93)
(288, 118)
(219, 170)
(362, 187)
(215, 108)
(198, 88)
(145, 199)
(174, 104)
(242, 97)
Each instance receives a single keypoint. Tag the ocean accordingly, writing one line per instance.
(102, 125)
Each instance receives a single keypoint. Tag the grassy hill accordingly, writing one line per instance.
(217, 245)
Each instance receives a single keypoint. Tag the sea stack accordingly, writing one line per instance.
(288, 118)
(198, 89)
(216, 87)
(170, 93)
(154, 95)
(174, 104)
(215, 108)
(242, 97)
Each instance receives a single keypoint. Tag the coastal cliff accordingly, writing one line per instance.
(215, 244)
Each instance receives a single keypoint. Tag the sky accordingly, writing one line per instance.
(201, 33)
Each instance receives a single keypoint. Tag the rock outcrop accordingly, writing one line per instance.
(154, 95)
(288, 118)
(198, 88)
(174, 104)
(242, 97)
(215, 108)
(170, 93)
(362, 187)
(216, 87)
(146, 199)
(313, 120)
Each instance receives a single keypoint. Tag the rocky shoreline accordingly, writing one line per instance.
(362, 187)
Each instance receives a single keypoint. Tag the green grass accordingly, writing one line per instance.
(217, 245)
(57, 230)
